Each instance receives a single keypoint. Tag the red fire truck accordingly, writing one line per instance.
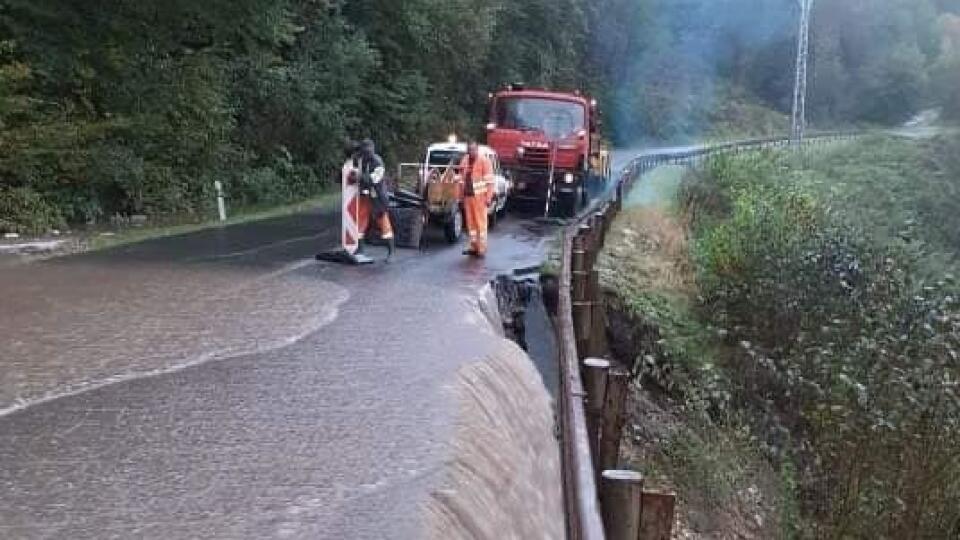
(549, 144)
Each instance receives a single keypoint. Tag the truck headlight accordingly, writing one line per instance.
(568, 178)
(520, 151)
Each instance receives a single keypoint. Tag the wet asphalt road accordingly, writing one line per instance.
(225, 385)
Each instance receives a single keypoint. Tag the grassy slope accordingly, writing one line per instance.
(725, 488)
(895, 189)
(902, 192)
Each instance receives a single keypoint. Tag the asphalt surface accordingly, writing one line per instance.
(224, 385)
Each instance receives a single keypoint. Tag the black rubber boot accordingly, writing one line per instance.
(391, 248)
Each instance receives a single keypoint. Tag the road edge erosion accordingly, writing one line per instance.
(503, 479)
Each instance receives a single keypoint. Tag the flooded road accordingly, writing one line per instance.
(223, 385)
(99, 324)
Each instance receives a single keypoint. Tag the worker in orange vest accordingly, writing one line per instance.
(478, 186)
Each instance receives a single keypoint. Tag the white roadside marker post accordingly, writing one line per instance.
(221, 205)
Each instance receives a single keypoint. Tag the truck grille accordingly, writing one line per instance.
(539, 158)
(536, 157)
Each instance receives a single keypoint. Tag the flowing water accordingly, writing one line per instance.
(108, 323)
(503, 481)
(246, 395)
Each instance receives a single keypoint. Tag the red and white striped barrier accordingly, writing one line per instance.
(350, 200)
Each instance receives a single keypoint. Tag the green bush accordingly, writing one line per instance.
(899, 189)
(838, 336)
(24, 211)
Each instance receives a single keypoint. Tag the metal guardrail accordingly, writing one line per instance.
(585, 517)
(579, 482)
(644, 162)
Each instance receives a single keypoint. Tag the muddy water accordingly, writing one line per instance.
(503, 480)
(63, 332)
(407, 432)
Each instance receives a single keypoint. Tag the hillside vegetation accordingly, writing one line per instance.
(117, 108)
(816, 324)
(138, 107)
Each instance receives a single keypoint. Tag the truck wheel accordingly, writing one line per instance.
(492, 217)
(570, 203)
(453, 228)
(511, 205)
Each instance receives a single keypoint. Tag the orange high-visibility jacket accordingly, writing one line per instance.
(480, 175)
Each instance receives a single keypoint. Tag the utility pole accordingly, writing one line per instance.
(799, 124)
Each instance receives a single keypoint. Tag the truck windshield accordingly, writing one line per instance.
(554, 118)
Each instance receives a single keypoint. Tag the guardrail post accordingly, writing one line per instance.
(598, 332)
(599, 230)
(595, 372)
(582, 325)
(614, 402)
(596, 339)
(620, 499)
(580, 289)
(595, 235)
(593, 284)
(587, 237)
(578, 267)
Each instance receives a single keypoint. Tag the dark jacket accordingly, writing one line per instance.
(372, 174)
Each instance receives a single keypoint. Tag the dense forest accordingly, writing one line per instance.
(690, 66)
(111, 107)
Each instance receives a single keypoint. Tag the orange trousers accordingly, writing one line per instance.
(475, 210)
(363, 219)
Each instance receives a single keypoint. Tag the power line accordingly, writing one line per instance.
(799, 123)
